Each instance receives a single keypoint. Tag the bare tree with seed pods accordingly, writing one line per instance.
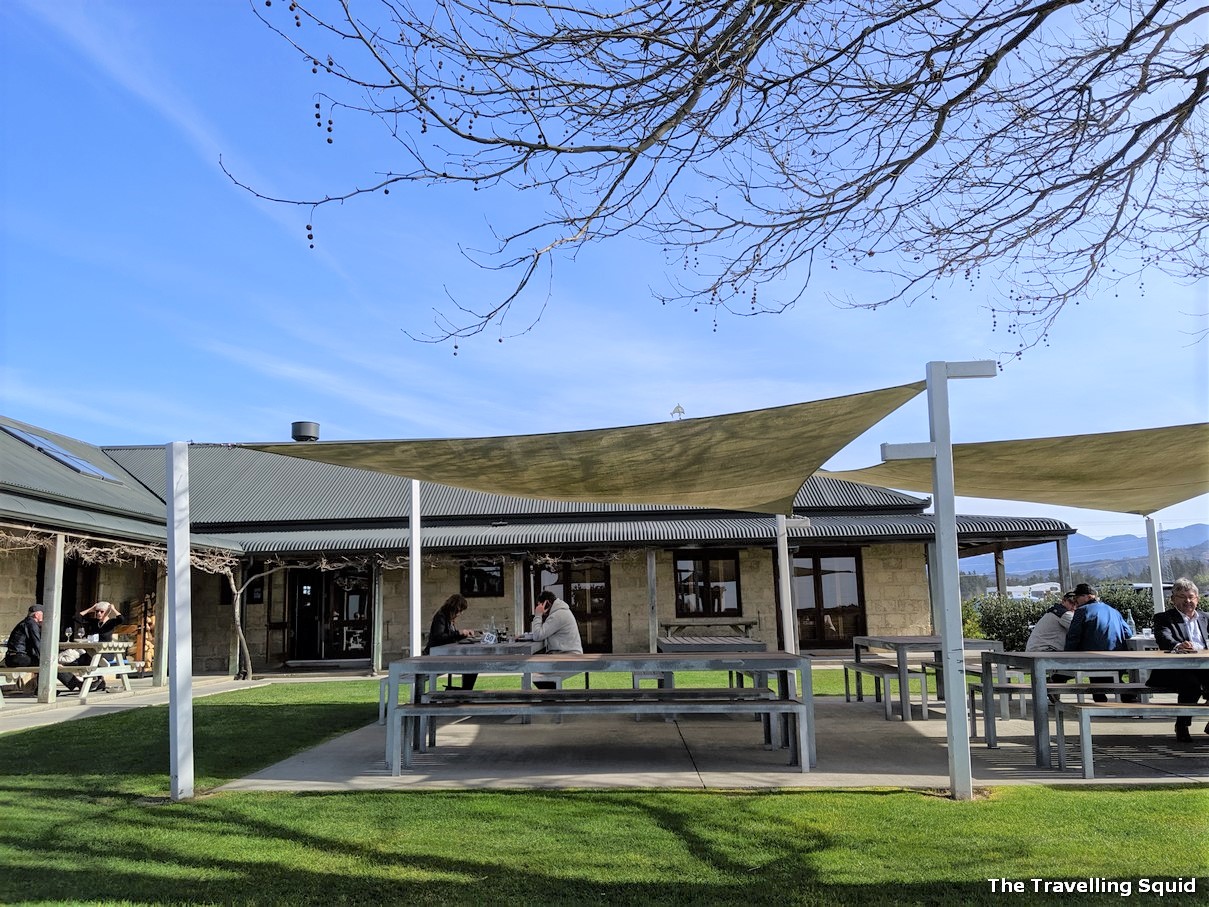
(1058, 144)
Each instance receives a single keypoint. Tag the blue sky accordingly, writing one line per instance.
(147, 299)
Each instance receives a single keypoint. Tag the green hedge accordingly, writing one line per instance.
(1007, 619)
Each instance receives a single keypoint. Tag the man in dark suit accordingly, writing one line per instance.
(1182, 628)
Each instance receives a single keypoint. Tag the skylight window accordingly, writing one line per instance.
(63, 456)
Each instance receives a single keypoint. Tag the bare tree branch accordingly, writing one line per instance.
(1059, 143)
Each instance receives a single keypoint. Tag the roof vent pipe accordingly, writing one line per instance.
(304, 431)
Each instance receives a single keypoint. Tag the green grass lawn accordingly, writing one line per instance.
(84, 818)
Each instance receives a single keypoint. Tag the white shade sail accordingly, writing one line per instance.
(752, 461)
(1140, 471)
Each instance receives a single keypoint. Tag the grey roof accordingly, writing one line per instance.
(621, 534)
(31, 473)
(34, 481)
(65, 516)
(19, 509)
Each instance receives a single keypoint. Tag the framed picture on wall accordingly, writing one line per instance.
(483, 581)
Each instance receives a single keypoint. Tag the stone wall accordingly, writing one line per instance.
(18, 586)
(213, 624)
(895, 584)
(896, 589)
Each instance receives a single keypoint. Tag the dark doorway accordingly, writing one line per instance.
(329, 615)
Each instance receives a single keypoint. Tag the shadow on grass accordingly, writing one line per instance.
(386, 848)
(129, 748)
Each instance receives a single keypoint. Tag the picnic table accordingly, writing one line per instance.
(107, 661)
(775, 693)
(901, 646)
(1040, 664)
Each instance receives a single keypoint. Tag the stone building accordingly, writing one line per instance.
(315, 556)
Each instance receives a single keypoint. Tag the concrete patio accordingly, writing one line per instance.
(856, 748)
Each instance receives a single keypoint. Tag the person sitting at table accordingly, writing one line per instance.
(25, 647)
(1097, 627)
(1049, 634)
(444, 630)
(1179, 629)
(554, 624)
(99, 620)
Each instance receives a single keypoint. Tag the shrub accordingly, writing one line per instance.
(970, 627)
(1007, 619)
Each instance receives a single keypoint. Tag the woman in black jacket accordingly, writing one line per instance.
(444, 630)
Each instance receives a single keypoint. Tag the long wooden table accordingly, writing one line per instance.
(901, 645)
(1040, 664)
(782, 668)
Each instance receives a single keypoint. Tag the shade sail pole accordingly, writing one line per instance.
(180, 625)
(1156, 567)
(948, 581)
(415, 567)
(785, 585)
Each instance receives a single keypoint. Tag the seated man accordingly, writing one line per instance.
(554, 623)
(1097, 627)
(1182, 628)
(25, 647)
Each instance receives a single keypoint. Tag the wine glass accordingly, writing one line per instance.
(70, 633)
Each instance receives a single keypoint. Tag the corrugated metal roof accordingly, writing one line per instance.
(233, 485)
(29, 471)
(49, 515)
(756, 530)
(825, 493)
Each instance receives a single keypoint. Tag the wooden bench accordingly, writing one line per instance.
(1024, 691)
(883, 673)
(87, 675)
(639, 694)
(590, 702)
(1086, 711)
(973, 669)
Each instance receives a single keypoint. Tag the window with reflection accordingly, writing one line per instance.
(829, 592)
(707, 584)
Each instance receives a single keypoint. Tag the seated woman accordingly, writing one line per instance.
(99, 620)
(444, 630)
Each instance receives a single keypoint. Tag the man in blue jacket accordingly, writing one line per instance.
(1097, 627)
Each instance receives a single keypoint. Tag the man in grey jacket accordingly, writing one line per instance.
(554, 623)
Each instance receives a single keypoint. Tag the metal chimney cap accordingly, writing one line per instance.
(304, 431)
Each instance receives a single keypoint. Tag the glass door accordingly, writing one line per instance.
(350, 627)
(585, 588)
(830, 599)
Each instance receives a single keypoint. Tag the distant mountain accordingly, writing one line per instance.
(1117, 555)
